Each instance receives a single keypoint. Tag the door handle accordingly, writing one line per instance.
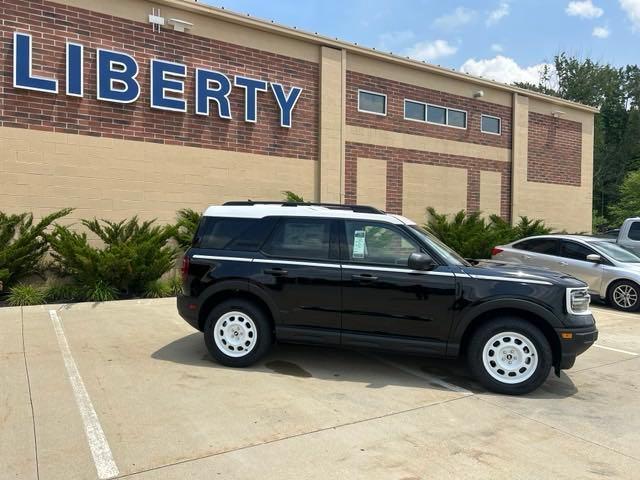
(564, 264)
(365, 277)
(276, 272)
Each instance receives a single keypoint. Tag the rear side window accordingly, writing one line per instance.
(229, 233)
(548, 246)
(634, 231)
(300, 238)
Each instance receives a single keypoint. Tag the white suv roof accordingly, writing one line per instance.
(259, 210)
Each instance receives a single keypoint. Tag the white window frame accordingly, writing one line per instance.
(386, 105)
(499, 125)
(446, 116)
(415, 119)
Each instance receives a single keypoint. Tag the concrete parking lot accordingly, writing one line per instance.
(127, 390)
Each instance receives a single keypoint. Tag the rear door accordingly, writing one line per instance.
(385, 303)
(537, 252)
(299, 268)
(574, 262)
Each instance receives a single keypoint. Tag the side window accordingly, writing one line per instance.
(575, 251)
(634, 231)
(548, 246)
(305, 238)
(222, 233)
(374, 243)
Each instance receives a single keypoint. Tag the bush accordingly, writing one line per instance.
(473, 236)
(22, 295)
(293, 197)
(23, 245)
(186, 227)
(64, 293)
(157, 289)
(133, 255)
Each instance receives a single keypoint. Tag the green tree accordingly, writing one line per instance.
(628, 204)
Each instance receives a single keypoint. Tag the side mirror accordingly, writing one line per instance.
(421, 261)
(594, 258)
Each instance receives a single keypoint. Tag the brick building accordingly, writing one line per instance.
(104, 110)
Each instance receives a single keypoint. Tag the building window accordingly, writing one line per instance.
(457, 118)
(441, 115)
(491, 125)
(437, 115)
(371, 102)
(415, 110)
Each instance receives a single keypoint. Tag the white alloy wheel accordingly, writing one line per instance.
(235, 334)
(625, 296)
(510, 357)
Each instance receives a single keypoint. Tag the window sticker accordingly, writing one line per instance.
(359, 244)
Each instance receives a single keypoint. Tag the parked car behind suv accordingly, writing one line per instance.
(354, 276)
(611, 270)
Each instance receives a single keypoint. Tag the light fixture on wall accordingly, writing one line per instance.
(156, 20)
(180, 25)
(557, 113)
(478, 94)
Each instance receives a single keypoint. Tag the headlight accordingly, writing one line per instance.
(578, 300)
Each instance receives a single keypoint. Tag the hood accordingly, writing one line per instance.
(512, 271)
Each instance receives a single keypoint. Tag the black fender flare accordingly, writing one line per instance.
(463, 324)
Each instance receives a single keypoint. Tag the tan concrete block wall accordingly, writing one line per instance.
(444, 188)
(372, 182)
(114, 179)
(490, 192)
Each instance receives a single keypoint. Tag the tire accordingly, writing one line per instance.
(624, 295)
(237, 333)
(503, 340)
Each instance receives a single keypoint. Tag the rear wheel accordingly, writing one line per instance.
(624, 295)
(509, 355)
(237, 333)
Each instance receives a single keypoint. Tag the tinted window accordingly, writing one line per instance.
(300, 238)
(377, 244)
(372, 102)
(617, 252)
(227, 233)
(490, 124)
(457, 119)
(548, 246)
(436, 114)
(634, 231)
(414, 110)
(576, 251)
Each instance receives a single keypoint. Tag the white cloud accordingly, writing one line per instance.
(584, 9)
(498, 14)
(430, 51)
(459, 17)
(393, 39)
(496, 47)
(504, 69)
(601, 32)
(632, 9)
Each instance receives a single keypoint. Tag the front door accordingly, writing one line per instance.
(574, 262)
(385, 303)
(300, 269)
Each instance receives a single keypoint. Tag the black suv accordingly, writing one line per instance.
(355, 276)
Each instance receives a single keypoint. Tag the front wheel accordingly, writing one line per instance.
(510, 356)
(624, 295)
(237, 333)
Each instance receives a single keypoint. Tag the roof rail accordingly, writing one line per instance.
(334, 206)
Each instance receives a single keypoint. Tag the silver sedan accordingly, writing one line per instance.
(612, 271)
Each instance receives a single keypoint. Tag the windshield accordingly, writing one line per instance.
(617, 252)
(450, 256)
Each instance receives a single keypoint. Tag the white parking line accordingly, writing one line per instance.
(425, 376)
(102, 456)
(615, 350)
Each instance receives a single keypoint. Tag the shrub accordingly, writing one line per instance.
(63, 293)
(186, 227)
(133, 255)
(23, 245)
(175, 284)
(293, 197)
(473, 236)
(157, 289)
(22, 295)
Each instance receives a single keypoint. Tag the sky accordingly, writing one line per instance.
(505, 40)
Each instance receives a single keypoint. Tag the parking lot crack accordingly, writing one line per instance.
(26, 369)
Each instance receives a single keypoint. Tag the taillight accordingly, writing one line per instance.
(495, 251)
(185, 268)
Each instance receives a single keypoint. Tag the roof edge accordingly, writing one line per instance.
(292, 32)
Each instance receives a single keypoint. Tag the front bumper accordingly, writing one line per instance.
(188, 310)
(573, 342)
